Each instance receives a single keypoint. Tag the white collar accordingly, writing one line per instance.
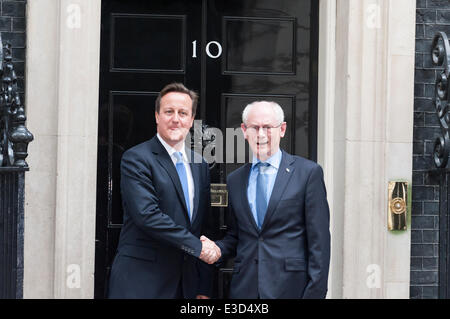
(171, 150)
(274, 160)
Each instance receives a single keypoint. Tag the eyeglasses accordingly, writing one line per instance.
(265, 128)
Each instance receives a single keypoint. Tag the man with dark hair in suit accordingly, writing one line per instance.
(278, 216)
(166, 199)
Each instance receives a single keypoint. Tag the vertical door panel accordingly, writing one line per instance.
(268, 53)
(144, 46)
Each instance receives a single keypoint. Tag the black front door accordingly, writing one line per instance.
(231, 52)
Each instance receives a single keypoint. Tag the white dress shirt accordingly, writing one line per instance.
(190, 179)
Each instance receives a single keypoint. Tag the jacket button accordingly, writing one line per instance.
(185, 257)
(261, 239)
(256, 261)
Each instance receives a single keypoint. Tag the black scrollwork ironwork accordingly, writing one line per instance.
(14, 136)
(201, 137)
(440, 53)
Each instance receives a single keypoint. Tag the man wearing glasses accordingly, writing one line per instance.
(278, 216)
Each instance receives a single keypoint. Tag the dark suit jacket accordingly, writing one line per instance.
(158, 244)
(289, 257)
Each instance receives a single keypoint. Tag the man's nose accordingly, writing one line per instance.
(175, 117)
(262, 131)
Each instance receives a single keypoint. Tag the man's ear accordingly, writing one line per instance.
(156, 117)
(283, 129)
(244, 130)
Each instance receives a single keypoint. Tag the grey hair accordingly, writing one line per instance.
(279, 113)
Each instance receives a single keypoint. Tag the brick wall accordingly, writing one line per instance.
(12, 28)
(431, 16)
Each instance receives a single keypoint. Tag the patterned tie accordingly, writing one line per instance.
(181, 170)
(261, 192)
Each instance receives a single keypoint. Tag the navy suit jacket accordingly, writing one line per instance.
(289, 256)
(159, 245)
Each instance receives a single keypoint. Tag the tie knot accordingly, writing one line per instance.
(178, 156)
(262, 166)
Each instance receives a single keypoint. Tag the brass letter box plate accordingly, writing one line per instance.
(398, 205)
(219, 195)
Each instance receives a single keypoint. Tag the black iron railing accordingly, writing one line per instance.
(14, 139)
(440, 54)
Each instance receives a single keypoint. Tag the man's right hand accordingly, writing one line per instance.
(210, 251)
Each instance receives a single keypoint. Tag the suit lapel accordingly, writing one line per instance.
(284, 174)
(244, 198)
(166, 162)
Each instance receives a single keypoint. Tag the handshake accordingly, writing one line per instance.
(210, 251)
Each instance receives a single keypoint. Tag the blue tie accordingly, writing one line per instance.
(261, 192)
(181, 170)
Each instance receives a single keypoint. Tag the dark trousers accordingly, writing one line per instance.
(179, 294)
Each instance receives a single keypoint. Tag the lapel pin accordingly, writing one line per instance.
(287, 170)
